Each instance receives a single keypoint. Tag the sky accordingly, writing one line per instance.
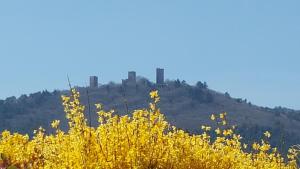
(249, 48)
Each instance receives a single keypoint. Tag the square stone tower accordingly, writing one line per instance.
(132, 77)
(93, 81)
(160, 76)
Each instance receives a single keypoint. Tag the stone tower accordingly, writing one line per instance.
(93, 81)
(132, 77)
(159, 76)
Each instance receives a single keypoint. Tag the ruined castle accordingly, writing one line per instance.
(131, 80)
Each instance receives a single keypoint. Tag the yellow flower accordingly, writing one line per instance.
(99, 106)
(218, 131)
(255, 146)
(265, 147)
(267, 134)
(221, 115)
(55, 123)
(224, 122)
(208, 128)
(227, 132)
(213, 117)
(154, 94)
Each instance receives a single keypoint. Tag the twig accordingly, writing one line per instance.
(70, 86)
(89, 107)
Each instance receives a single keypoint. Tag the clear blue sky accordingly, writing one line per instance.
(250, 48)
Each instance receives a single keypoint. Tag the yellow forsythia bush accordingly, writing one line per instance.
(142, 140)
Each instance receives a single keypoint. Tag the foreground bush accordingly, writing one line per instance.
(143, 140)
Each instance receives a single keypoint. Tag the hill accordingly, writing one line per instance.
(186, 106)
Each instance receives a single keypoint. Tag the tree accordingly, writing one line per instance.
(11, 100)
(205, 85)
(201, 85)
(177, 83)
(202, 96)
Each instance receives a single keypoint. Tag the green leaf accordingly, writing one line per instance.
(2, 156)
(12, 167)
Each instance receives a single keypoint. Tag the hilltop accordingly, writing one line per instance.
(186, 106)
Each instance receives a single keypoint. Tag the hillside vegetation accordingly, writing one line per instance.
(142, 140)
(185, 106)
